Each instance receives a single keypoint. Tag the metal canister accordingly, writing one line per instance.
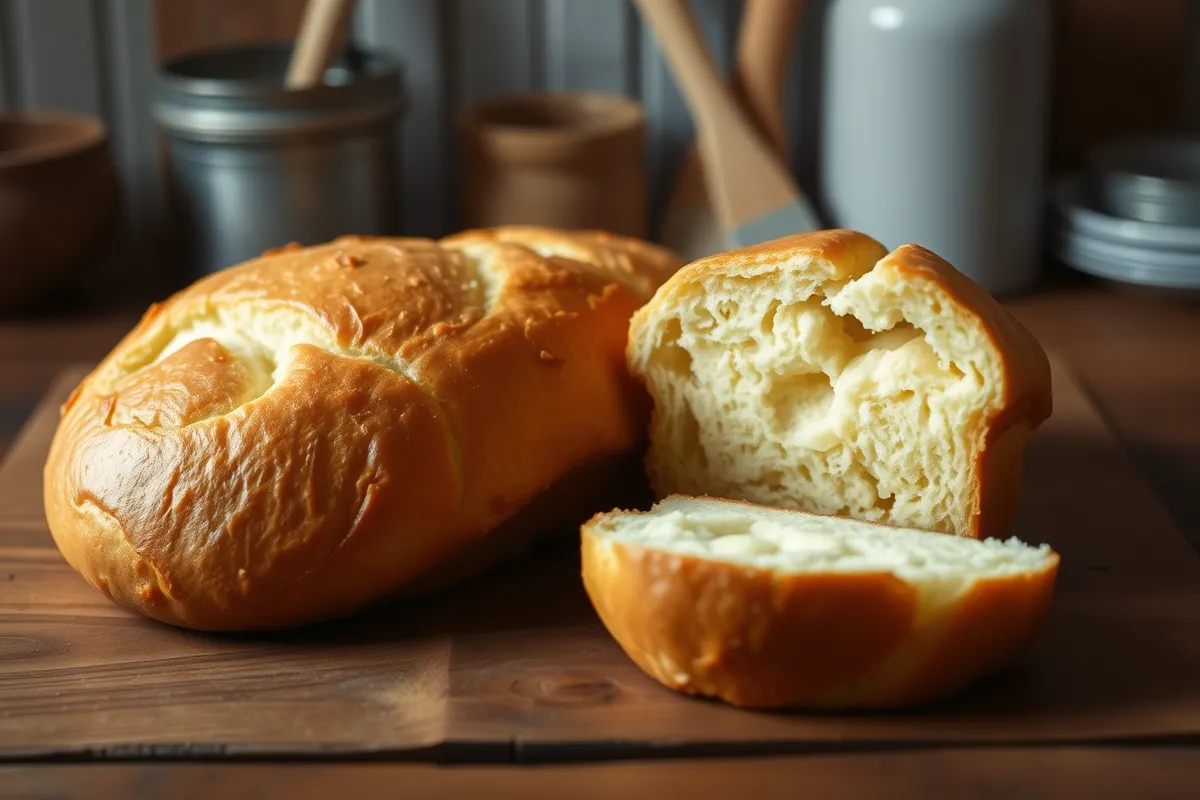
(254, 166)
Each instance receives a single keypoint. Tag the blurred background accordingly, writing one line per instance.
(433, 139)
(1047, 148)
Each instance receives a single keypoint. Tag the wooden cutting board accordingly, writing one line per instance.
(516, 666)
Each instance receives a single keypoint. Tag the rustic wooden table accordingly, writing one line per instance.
(1137, 356)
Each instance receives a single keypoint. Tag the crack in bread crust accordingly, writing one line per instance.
(264, 338)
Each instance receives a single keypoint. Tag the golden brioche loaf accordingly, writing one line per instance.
(821, 372)
(309, 432)
(770, 608)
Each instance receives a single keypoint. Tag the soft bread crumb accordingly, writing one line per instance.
(824, 374)
(796, 543)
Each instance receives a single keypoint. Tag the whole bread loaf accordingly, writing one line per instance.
(821, 372)
(300, 436)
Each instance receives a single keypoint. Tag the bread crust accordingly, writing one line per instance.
(758, 638)
(1027, 399)
(398, 399)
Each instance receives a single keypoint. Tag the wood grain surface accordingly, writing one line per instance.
(516, 667)
(1138, 357)
(1096, 774)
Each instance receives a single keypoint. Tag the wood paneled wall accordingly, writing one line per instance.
(1119, 64)
(1121, 68)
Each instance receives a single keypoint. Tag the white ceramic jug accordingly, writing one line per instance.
(933, 129)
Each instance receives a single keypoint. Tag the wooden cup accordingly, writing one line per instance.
(560, 159)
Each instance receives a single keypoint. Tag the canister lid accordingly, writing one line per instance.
(238, 93)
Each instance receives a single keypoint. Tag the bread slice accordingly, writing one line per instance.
(771, 608)
(821, 372)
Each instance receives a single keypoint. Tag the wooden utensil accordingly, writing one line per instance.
(768, 31)
(753, 195)
(321, 33)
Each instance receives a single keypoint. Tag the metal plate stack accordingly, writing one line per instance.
(1133, 216)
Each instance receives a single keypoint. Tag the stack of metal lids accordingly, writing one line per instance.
(1133, 215)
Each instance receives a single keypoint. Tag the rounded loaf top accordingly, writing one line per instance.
(303, 434)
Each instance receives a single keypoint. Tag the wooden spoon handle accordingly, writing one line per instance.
(321, 33)
(747, 180)
(685, 52)
(765, 42)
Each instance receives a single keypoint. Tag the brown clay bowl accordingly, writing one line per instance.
(58, 201)
(560, 159)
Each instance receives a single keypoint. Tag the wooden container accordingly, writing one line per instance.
(59, 199)
(567, 160)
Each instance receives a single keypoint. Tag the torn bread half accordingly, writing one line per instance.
(823, 373)
(774, 608)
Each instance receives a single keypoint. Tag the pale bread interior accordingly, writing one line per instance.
(836, 389)
(790, 542)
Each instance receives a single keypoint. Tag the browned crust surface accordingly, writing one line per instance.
(436, 388)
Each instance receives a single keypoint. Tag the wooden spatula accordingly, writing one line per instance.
(765, 40)
(321, 33)
(753, 194)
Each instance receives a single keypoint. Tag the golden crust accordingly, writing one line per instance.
(848, 255)
(333, 422)
(756, 638)
(1028, 398)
